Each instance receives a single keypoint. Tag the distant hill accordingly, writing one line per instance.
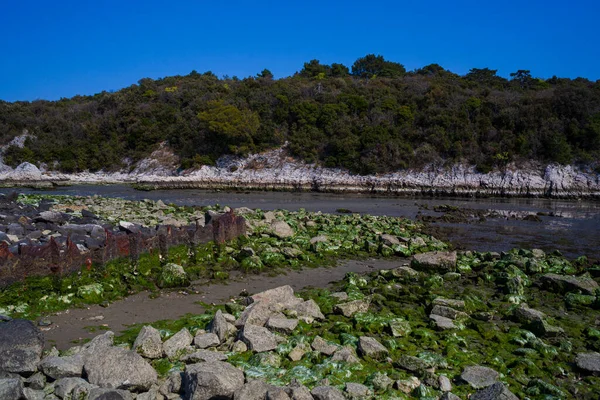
(371, 118)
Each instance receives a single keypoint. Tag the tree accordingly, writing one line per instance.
(265, 74)
(234, 127)
(313, 68)
(486, 77)
(371, 65)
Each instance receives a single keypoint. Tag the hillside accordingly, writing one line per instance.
(371, 118)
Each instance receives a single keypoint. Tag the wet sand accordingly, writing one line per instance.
(71, 326)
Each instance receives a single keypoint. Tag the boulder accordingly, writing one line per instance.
(442, 323)
(413, 364)
(307, 311)
(117, 368)
(327, 393)
(408, 385)
(36, 381)
(444, 383)
(567, 283)
(177, 344)
(109, 394)
(258, 338)
(258, 314)
(211, 380)
(357, 391)
(26, 172)
(281, 229)
(11, 388)
(447, 312)
(435, 260)
(345, 354)
(297, 391)
(173, 275)
(479, 377)
(172, 384)
(495, 391)
(324, 347)
(64, 386)
(449, 396)
(219, 326)
(283, 296)
(298, 352)
(206, 340)
(352, 307)
(589, 362)
(368, 346)
(21, 345)
(62, 367)
(33, 394)
(149, 343)
(253, 390)
(282, 325)
(456, 304)
(204, 355)
(404, 272)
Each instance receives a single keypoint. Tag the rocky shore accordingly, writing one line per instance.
(275, 170)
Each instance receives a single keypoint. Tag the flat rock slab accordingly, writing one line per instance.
(327, 393)
(62, 367)
(588, 361)
(352, 307)
(282, 325)
(206, 340)
(21, 345)
(442, 323)
(568, 283)
(479, 377)
(211, 380)
(324, 347)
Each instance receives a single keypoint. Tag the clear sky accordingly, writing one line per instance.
(54, 49)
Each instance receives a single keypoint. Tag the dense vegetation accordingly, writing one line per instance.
(374, 117)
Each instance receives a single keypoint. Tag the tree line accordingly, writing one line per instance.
(373, 117)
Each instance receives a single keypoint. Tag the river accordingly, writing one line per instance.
(571, 226)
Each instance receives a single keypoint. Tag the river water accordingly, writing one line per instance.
(571, 226)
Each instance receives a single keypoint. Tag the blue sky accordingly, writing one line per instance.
(54, 49)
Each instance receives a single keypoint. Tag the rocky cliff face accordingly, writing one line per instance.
(275, 170)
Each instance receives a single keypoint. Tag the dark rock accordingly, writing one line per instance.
(88, 214)
(567, 283)
(496, 391)
(51, 216)
(62, 367)
(412, 364)
(34, 235)
(15, 229)
(479, 377)
(21, 345)
(368, 346)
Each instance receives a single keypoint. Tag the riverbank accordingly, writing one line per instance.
(276, 171)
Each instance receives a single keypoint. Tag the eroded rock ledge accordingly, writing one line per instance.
(275, 170)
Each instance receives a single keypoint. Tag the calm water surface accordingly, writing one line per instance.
(574, 229)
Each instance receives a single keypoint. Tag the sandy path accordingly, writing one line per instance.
(70, 325)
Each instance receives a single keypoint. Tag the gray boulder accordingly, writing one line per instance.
(36, 381)
(447, 312)
(345, 354)
(64, 386)
(149, 343)
(21, 345)
(589, 362)
(282, 295)
(449, 396)
(456, 304)
(33, 394)
(307, 311)
(62, 367)
(368, 346)
(496, 391)
(404, 272)
(281, 229)
(204, 355)
(442, 323)
(211, 380)
(567, 283)
(327, 393)
(177, 344)
(526, 315)
(253, 390)
(258, 338)
(11, 388)
(282, 325)
(172, 384)
(352, 307)
(389, 240)
(117, 368)
(435, 260)
(109, 394)
(479, 377)
(218, 326)
(297, 391)
(357, 391)
(258, 314)
(206, 340)
(324, 347)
